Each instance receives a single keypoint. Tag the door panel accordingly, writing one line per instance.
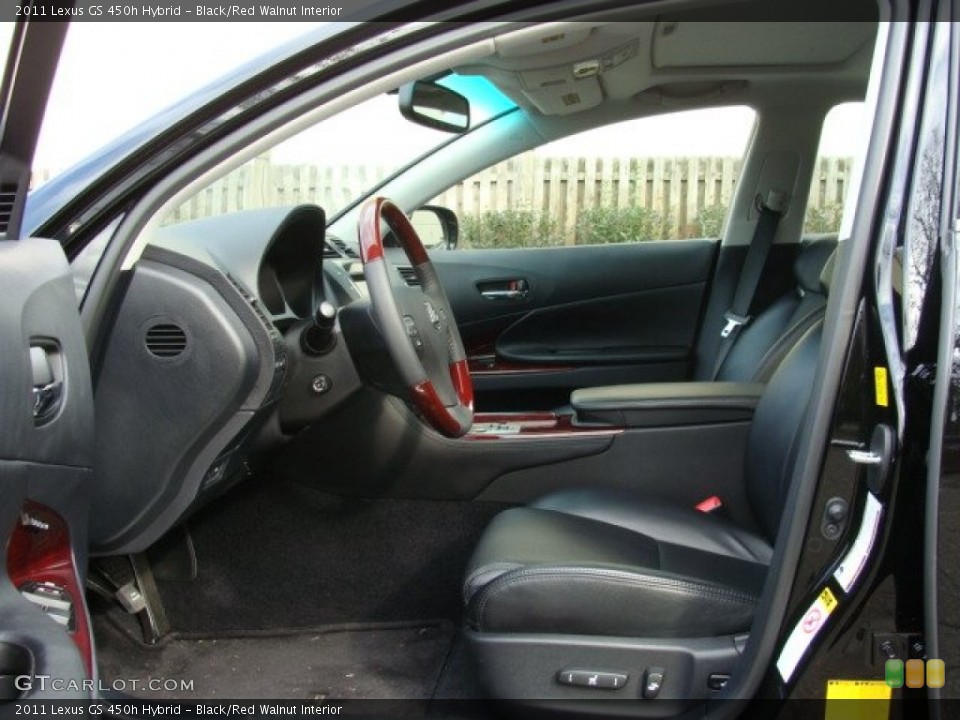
(46, 452)
(540, 322)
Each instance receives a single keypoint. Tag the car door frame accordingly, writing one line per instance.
(46, 449)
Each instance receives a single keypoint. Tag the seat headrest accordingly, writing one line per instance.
(812, 259)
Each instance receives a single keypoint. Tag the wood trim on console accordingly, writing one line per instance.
(537, 426)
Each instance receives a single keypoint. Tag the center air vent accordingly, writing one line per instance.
(8, 200)
(409, 276)
(166, 340)
(337, 248)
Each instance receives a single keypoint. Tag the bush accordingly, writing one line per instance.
(601, 225)
(509, 229)
(710, 221)
(824, 219)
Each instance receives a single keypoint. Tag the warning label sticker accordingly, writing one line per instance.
(804, 633)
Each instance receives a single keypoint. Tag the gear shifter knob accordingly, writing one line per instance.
(318, 338)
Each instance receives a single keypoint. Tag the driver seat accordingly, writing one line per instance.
(612, 567)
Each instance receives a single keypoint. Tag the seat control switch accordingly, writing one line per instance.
(718, 681)
(653, 682)
(592, 679)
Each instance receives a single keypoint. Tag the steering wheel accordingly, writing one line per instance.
(416, 322)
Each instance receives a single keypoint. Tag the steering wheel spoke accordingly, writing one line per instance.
(417, 323)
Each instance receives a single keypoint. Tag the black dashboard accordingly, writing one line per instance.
(203, 369)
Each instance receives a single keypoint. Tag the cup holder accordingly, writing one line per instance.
(15, 661)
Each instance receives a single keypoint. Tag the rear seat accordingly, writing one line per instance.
(766, 340)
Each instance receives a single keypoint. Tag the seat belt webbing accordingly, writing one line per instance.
(738, 315)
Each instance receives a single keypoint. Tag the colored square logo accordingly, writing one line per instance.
(893, 673)
(936, 673)
(915, 673)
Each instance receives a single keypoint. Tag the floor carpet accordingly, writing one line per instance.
(372, 663)
(275, 556)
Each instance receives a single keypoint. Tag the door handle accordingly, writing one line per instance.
(47, 390)
(46, 400)
(516, 289)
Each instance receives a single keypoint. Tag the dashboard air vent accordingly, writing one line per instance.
(409, 276)
(337, 248)
(166, 340)
(8, 199)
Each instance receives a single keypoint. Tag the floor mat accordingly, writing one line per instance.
(390, 663)
(274, 555)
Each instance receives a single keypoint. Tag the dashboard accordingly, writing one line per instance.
(203, 372)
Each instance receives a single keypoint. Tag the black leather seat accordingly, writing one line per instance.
(762, 345)
(602, 563)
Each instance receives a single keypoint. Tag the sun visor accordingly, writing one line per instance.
(688, 44)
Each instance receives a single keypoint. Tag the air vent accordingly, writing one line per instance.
(8, 199)
(409, 276)
(166, 340)
(337, 248)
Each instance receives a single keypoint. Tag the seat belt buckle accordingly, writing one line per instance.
(709, 505)
(734, 321)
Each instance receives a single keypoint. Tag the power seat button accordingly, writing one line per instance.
(718, 681)
(592, 679)
(653, 682)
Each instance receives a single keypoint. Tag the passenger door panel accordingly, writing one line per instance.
(539, 322)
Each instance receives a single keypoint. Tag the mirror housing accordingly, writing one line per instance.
(435, 106)
(437, 227)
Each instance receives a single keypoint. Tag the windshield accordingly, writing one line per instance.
(341, 159)
(95, 99)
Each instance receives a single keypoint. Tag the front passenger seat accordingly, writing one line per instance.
(614, 583)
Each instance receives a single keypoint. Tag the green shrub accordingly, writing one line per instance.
(710, 221)
(824, 219)
(601, 225)
(509, 229)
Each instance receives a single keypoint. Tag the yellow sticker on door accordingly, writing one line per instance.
(880, 384)
(857, 700)
(804, 633)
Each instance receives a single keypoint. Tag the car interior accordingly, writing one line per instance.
(331, 463)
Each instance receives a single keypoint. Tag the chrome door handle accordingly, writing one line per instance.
(514, 289)
(46, 400)
(504, 294)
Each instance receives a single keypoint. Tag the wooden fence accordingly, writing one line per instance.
(678, 189)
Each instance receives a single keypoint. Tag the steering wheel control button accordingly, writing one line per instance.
(718, 681)
(592, 679)
(321, 384)
(653, 682)
(413, 333)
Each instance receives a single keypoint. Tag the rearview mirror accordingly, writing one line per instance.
(435, 106)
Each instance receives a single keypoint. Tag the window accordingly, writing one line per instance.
(655, 178)
(834, 166)
(340, 160)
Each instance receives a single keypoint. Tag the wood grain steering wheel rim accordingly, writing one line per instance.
(417, 322)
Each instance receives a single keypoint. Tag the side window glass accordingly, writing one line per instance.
(658, 178)
(833, 168)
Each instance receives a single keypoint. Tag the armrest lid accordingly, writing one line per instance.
(667, 404)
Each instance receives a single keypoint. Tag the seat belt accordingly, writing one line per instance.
(738, 316)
